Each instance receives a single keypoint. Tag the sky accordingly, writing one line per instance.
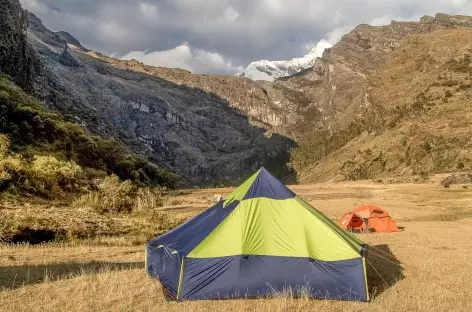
(222, 36)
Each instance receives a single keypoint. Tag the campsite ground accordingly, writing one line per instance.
(434, 251)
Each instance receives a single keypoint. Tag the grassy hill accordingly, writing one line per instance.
(416, 119)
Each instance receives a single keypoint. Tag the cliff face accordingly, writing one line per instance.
(209, 129)
(16, 58)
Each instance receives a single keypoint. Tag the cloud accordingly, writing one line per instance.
(237, 31)
(230, 14)
(149, 11)
(336, 34)
(184, 57)
(321, 46)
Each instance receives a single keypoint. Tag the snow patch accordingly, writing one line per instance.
(270, 70)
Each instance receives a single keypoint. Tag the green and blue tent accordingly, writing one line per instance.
(262, 240)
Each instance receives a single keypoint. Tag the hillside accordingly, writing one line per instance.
(393, 102)
(328, 108)
(190, 127)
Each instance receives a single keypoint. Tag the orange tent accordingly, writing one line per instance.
(368, 218)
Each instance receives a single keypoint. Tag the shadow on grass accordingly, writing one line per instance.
(18, 276)
(383, 269)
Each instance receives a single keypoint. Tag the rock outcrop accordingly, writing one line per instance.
(16, 58)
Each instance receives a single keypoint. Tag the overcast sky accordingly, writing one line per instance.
(222, 36)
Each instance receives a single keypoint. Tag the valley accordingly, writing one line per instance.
(98, 155)
(108, 274)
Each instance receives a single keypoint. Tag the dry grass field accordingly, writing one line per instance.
(433, 251)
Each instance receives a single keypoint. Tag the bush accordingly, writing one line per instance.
(47, 173)
(40, 175)
(115, 196)
(450, 83)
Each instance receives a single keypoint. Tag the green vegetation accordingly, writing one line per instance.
(39, 175)
(321, 145)
(43, 148)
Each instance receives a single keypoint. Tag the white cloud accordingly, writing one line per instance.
(336, 34)
(113, 30)
(185, 57)
(231, 14)
(149, 11)
(321, 46)
(387, 19)
(456, 3)
(34, 6)
(177, 57)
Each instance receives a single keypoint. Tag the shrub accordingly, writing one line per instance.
(450, 83)
(40, 175)
(448, 94)
(115, 196)
(147, 198)
(55, 172)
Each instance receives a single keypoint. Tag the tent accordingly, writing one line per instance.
(261, 241)
(368, 218)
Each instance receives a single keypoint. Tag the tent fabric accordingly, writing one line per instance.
(263, 240)
(368, 218)
(265, 276)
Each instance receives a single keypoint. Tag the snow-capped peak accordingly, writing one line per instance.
(270, 70)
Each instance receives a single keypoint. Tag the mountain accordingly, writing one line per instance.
(270, 70)
(385, 101)
(209, 129)
(389, 101)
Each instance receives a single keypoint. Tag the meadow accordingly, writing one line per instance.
(425, 267)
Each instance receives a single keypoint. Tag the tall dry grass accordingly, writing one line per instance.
(84, 277)
(116, 196)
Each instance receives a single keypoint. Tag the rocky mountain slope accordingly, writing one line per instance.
(271, 70)
(209, 129)
(394, 102)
